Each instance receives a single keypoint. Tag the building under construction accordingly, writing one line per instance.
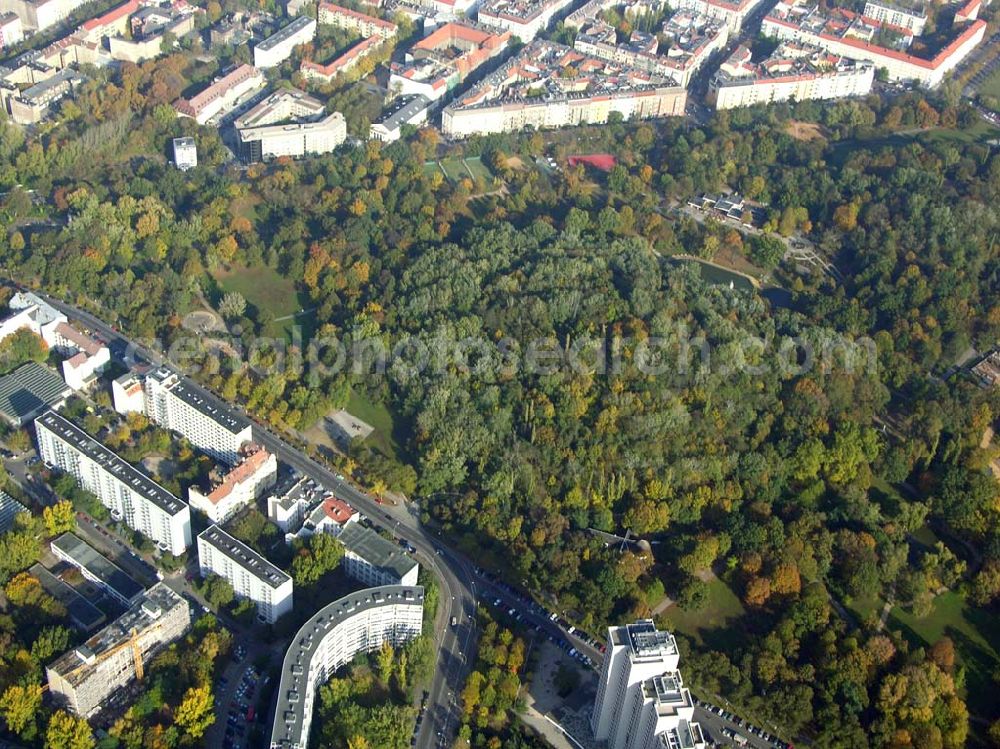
(83, 678)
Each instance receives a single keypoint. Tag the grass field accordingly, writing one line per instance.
(712, 625)
(378, 416)
(478, 169)
(977, 643)
(264, 288)
(455, 169)
(991, 86)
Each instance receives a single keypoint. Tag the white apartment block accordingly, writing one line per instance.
(256, 472)
(278, 47)
(794, 71)
(11, 30)
(129, 494)
(912, 18)
(84, 678)
(732, 14)
(31, 312)
(522, 18)
(288, 123)
(185, 153)
(364, 25)
(127, 394)
(373, 560)
(288, 508)
(171, 403)
(88, 357)
(248, 572)
(357, 623)
(641, 700)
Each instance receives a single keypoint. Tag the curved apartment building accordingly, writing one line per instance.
(359, 622)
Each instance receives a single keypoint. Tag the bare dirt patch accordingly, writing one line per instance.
(805, 130)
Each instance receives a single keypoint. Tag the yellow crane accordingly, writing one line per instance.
(132, 642)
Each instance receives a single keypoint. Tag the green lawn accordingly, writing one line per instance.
(991, 86)
(455, 169)
(263, 287)
(977, 643)
(712, 625)
(865, 607)
(431, 168)
(378, 416)
(478, 169)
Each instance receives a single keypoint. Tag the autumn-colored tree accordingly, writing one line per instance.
(18, 706)
(194, 715)
(942, 653)
(757, 592)
(66, 731)
(59, 518)
(786, 580)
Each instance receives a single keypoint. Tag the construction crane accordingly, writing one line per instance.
(132, 642)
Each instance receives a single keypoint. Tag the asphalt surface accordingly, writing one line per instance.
(454, 572)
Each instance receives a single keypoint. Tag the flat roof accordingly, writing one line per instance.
(376, 550)
(244, 556)
(98, 566)
(158, 601)
(221, 414)
(284, 34)
(29, 389)
(289, 711)
(124, 472)
(84, 614)
(9, 509)
(402, 111)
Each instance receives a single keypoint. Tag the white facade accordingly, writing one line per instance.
(357, 623)
(294, 139)
(185, 153)
(256, 472)
(222, 95)
(641, 700)
(11, 30)
(88, 357)
(127, 395)
(248, 572)
(732, 14)
(522, 18)
(897, 15)
(33, 313)
(172, 404)
(278, 47)
(130, 495)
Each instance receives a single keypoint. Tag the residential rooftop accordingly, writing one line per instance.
(402, 110)
(10, 508)
(284, 34)
(377, 551)
(220, 414)
(289, 711)
(29, 389)
(244, 556)
(96, 565)
(84, 614)
(120, 469)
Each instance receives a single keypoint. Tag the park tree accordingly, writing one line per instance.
(59, 518)
(194, 714)
(18, 706)
(66, 731)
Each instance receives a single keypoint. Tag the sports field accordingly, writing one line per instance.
(455, 169)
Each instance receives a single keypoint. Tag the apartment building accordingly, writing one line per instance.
(912, 17)
(38, 15)
(522, 18)
(732, 14)
(357, 623)
(30, 312)
(97, 568)
(278, 47)
(373, 560)
(172, 403)
(229, 492)
(251, 575)
(549, 85)
(288, 506)
(849, 34)
(129, 494)
(11, 30)
(127, 394)
(406, 110)
(795, 71)
(185, 153)
(445, 58)
(87, 356)
(222, 95)
(331, 516)
(360, 23)
(84, 679)
(641, 700)
(288, 123)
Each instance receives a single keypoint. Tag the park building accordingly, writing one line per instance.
(357, 623)
(250, 574)
(84, 679)
(641, 699)
(97, 568)
(278, 47)
(289, 122)
(231, 491)
(213, 428)
(185, 153)
(129, 494)
(373, 560)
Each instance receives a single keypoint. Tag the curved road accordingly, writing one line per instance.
(454, 572)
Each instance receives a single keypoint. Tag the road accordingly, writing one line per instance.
(454, 572)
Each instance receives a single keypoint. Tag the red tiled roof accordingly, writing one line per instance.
(125, 9)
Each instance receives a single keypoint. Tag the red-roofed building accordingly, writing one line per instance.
(256, 471)
(222, 95)
(331, 516)
(112, 23)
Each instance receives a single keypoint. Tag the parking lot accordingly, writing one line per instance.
(724, 728)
